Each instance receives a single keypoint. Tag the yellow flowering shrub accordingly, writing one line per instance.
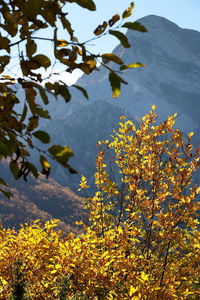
(143, 240)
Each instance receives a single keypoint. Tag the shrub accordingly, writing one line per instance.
(143, 238)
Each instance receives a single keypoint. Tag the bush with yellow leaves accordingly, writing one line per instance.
(143, 240)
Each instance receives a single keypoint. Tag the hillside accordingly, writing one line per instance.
(40, 199)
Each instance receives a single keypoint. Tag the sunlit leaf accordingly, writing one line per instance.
(127, 13)
(46, 168)
(61, 153)
(115, 84)
(132, 66)
(62, 43)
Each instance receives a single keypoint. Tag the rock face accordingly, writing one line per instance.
(171, 81)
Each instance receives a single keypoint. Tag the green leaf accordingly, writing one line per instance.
(42, 60)
(28, 65)
(127, 13)
(4, 61)
(24, 113)
(71, 170)
(80, 88)
(32, 168)
(121, 37)
(61, 153)
(89, 4)
(115, 84)
(31, 48)
(33, 123)
(3, 182)
(33, 7)
(6, 193)
(43, 95)
(4, 149)
(43, 113)
(43, 136)
(49, 86)
(30, 96)
(110, 56)
(132, 66)
(135, 26)
(4, 43)
(63, 91)
(14, 169)
(66, 24)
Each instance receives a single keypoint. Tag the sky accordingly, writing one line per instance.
(185, 13)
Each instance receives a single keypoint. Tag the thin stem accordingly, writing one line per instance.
(165, 263)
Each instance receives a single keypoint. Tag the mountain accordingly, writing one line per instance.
(171, 80)
(40, 199)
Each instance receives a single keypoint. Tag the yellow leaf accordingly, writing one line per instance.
(128, 11)
(62, 43)
(144, 276)
(132, 290)
(198, 190)
(190, 135)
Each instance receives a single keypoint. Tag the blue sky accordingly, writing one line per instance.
(185, 13)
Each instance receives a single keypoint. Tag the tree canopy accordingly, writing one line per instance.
(23, 25)
(143, 239)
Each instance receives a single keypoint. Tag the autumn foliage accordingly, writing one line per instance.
(143, 240)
